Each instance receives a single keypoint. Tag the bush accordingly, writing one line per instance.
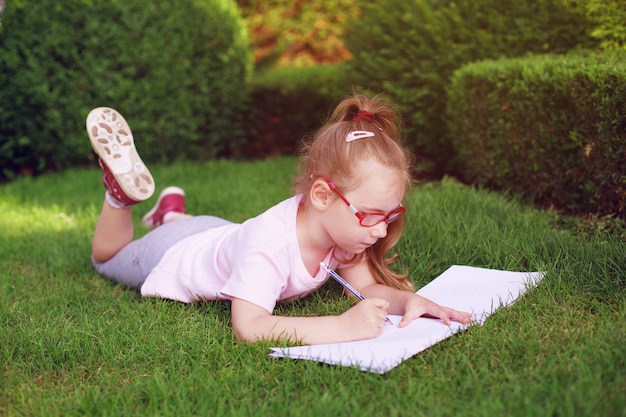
(289, 104)
(550, 127)
(177, 70)
(409, 49)
(608, 17)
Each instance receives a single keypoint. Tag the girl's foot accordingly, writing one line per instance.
(171, 201)
(125, 178)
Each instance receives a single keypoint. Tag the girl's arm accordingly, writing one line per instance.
(363, 321)
(405, 303)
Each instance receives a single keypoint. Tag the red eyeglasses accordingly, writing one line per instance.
(365, 219)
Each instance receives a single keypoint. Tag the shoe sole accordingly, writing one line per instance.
(112, 139)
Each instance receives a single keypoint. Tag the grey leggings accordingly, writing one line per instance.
(134, 262)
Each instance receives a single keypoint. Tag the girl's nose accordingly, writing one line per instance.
(380, 230)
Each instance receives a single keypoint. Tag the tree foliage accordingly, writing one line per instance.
(297, 32)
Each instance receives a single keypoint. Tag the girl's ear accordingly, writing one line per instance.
(320, 195)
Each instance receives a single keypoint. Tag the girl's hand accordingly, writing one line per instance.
(417, 306)
(366, 319)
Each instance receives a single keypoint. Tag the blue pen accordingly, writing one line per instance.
(346, 285)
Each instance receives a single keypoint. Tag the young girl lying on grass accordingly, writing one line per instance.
(346, 212)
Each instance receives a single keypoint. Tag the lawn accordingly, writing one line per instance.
(74, 344)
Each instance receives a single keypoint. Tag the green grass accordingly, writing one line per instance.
(73, 344)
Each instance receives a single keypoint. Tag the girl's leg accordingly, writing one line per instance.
(115, 227)
(114, 230)
(126, 179)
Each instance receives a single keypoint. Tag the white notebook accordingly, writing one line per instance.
(477, 290)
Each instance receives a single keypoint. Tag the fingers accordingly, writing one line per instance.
(380, 303)
(367, 318)
(461, 316)
(430, 309)
(380, 310)
(406, 319)
(443, 315)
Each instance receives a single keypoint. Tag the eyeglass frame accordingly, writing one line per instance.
(386, 217)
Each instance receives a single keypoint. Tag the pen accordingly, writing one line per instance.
(346, 285)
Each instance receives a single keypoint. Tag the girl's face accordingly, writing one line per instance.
(380, 190)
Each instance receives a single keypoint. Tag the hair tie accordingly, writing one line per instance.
(364, 115)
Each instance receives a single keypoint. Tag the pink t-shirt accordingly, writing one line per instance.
(258, 261)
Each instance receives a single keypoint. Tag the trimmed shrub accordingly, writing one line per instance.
(608, 17)
(409, 49)
(176, 70)
(288, 104)
(550, 127)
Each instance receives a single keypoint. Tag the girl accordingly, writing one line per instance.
(346, 211)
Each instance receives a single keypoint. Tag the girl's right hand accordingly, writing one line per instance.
(366, 319)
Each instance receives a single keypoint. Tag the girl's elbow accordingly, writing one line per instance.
(243, 337)
(245, 334)
(247, 320)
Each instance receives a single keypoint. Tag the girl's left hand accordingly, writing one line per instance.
(417, 306)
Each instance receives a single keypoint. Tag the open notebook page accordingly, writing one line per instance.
(477, 290)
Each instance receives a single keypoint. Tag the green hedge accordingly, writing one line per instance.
(410, 48)
(550, 127)
(177, 70)
(608, 18)
(286, 105)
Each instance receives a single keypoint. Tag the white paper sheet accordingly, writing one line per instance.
(477, 290)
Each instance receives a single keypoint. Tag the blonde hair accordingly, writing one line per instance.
(329, 153)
